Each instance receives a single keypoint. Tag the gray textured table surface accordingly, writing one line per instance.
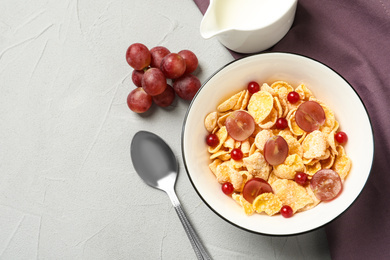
(68, 189)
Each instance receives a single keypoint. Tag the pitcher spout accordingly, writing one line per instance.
(209, 26)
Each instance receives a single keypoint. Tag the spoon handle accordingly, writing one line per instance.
(200, 251)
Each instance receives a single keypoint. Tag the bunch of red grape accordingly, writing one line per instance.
(154, 69)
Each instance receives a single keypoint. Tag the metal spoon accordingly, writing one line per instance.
(156, 164)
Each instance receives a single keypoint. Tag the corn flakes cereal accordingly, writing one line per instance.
(268, 203)
(308, 152)
(260, 105)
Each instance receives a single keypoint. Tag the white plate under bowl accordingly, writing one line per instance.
(326, 85)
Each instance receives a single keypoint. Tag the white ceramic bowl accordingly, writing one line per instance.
(327, 86)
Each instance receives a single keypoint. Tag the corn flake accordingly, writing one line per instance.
(213, 166)
(223, 172)
(248, 207)
(230, 103)
(221, 154)
(260, 105)
(261, 138)
(257, 166)
(342, 163)
(270, 120)
(314, 145)
(268, 203)
(210, 121)
(312, 169)
(291, 165)
(222, 136)
(292, 124)
(304, 92)
(291, 193)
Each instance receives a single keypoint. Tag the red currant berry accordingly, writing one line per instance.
(212, 140)
(286, 211)
(236, 154)
(341, 137)
(227, 188)
(300, 178)
(253, 87)
(281, 123)
(293, 97)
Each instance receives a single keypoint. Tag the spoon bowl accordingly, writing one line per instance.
(157, 166)
(153, 159)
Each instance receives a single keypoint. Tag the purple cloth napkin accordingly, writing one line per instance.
(353, 38)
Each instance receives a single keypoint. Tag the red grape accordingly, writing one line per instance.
(136, 77)
(275, 150)
(154, 82)
(190, 59)
(227, 188)
(253, 87)
(236, 154)
(281, 123)
(138, 56)
(326, 184)
(286, 211)
(212, 140)
(173, 66)
(240, 125)
(310, 116)
(255, 187)
(139, 101)
(158, 53)
(293, 97)
(341, 137)
(186, 86)
(166, 98)
(300, 178)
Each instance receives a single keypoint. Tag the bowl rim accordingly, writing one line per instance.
(262, 54)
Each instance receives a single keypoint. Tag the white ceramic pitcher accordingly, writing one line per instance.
(248, 26)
